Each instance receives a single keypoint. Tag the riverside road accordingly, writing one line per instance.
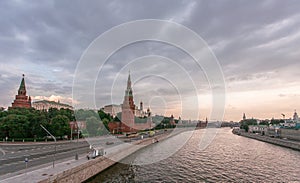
(12, 157)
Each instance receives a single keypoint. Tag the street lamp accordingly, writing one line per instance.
(71, 135)
(76, 155)
(54, 141)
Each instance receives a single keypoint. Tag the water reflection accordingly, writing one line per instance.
(230, 158)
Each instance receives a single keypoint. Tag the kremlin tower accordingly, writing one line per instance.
(128, 108)
(132, 118)
(22, 100)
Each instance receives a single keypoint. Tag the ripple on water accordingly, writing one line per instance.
(229, 158)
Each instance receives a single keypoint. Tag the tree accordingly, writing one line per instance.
(92, 125)
(104, 115)
(117, 118)
(52, 112)
(25, 123)
(60, 125)
(15, 126)
(68, 113)
(264, 122)
(104, 127)
(245, 123)
(82, 115)
(276, 121)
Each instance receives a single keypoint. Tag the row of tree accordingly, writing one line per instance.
(244, 124)
(96, 122)
(22, 123)
(25, 123)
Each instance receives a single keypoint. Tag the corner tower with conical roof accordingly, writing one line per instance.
(22, 100)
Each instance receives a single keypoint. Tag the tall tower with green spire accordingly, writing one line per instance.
(22, 100)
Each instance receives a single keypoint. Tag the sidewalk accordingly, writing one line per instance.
(36, 175)
(114, 154)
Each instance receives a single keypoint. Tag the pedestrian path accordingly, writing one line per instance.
(36, 175)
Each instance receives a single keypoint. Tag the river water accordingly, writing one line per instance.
(229, 158)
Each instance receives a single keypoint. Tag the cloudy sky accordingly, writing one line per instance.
(255, 42)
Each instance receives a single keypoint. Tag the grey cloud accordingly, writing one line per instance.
(52, 35)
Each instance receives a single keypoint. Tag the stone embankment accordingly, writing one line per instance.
(276, 141)
(95, 166)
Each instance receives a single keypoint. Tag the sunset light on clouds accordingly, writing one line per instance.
(255, 42)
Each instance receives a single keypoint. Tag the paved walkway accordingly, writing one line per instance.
(37, 174)
(40, 173)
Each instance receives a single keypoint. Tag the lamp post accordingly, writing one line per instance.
(54, 141)
(71, 135)
(76, 155)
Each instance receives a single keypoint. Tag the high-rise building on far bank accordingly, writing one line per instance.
(22, 100)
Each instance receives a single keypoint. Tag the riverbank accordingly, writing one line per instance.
(80, 170)
(276, 141)
(113, 155)
(228, 158)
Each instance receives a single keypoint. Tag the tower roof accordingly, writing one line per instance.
(22, 85)
(128, 91)
(22, 88)
(129, 81)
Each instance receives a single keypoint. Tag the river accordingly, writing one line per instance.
(229, 158)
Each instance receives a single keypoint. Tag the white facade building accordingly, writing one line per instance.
(46, 105)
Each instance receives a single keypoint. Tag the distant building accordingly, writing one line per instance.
(46, 105)
(295, 117)
(179, 121)
(22, 100)
(258, 129)
(112, 109)
(202, 124)
(244, 116)
(73, 126)
(172, 120)
(140, 111)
